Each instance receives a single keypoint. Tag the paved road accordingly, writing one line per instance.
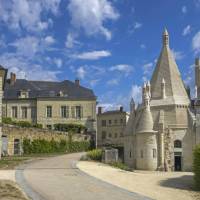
(57, 178)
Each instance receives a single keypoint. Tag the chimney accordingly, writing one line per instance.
(121, 108)
(12, 78)
(77, 82)
(99, 110)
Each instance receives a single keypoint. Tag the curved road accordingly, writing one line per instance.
(58, 178)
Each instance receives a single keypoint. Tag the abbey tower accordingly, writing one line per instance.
(160, 134)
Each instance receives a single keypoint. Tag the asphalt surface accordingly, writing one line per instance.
(58, 178)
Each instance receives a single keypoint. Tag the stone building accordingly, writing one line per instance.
(162, 131)
(49, 103)
(3, 73)
(110, 129)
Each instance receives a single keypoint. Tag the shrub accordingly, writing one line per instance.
(196, 167)
(73, 128)
(95, 154)
(120, 165)
(8, 120)
(44, 146)
(24, 124)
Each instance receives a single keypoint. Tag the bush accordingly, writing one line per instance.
(73, 128)
(43, 146)
(8, 120)
(95, 154)
(120, 165)
(196, 167)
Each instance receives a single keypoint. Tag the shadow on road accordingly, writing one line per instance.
(184, 182)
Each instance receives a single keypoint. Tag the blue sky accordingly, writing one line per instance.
(110, 45)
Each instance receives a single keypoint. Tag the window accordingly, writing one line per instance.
(115, 121)
(14, 111)
(73, 111)
(121, 121)
(3, 111)
(24, 112)
(121, 134)
(78, 112)
(110, 122)
(154, 153)
(49, 126)
(177, 144)
(103, 123)
(103, 135)
(49, 111)
(33, 112)
(63, 111)
(141, 153)
(130, 154)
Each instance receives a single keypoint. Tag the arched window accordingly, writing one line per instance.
(177, 144)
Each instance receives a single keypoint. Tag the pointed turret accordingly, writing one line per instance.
(165, 38)
(167, 68)
(146, 120)
(197, 76)
(132, 105)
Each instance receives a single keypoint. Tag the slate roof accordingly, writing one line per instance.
(47, 89)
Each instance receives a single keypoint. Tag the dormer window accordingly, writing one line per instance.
(60, 94)
(23, 94)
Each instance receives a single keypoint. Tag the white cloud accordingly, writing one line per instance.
(113, 82)
(186, 30)
(71, 40)
(143, 46)
(27, 14)
(137, 25)
(136, 93)
(49, 40)
(134, 27)
(90, 16)
(184, 9)
(25, 69)
(196, 42)
(178, 55)
(81, 72)
(27, 46)
(92, 55)
(147, 68)
(58, 62)
(127, 69)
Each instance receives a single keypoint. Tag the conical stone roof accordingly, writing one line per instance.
(167, 69)
(146, 120)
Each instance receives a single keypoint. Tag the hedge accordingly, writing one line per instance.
(43, 146)
(74, 128)
(196, 167)
(95, 154)
(8, 120)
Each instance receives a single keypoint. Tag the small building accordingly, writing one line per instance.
(110, 129)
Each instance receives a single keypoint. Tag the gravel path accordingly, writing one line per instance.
(157, 185)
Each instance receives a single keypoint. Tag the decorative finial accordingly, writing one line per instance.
(165, 38)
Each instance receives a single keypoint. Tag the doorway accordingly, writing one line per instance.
(16, 147)
(177, 163)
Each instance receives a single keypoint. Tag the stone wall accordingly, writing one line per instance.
(13, 134)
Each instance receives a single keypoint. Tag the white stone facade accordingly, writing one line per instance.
(162, 132)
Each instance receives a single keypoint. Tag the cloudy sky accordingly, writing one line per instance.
(110, 45)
